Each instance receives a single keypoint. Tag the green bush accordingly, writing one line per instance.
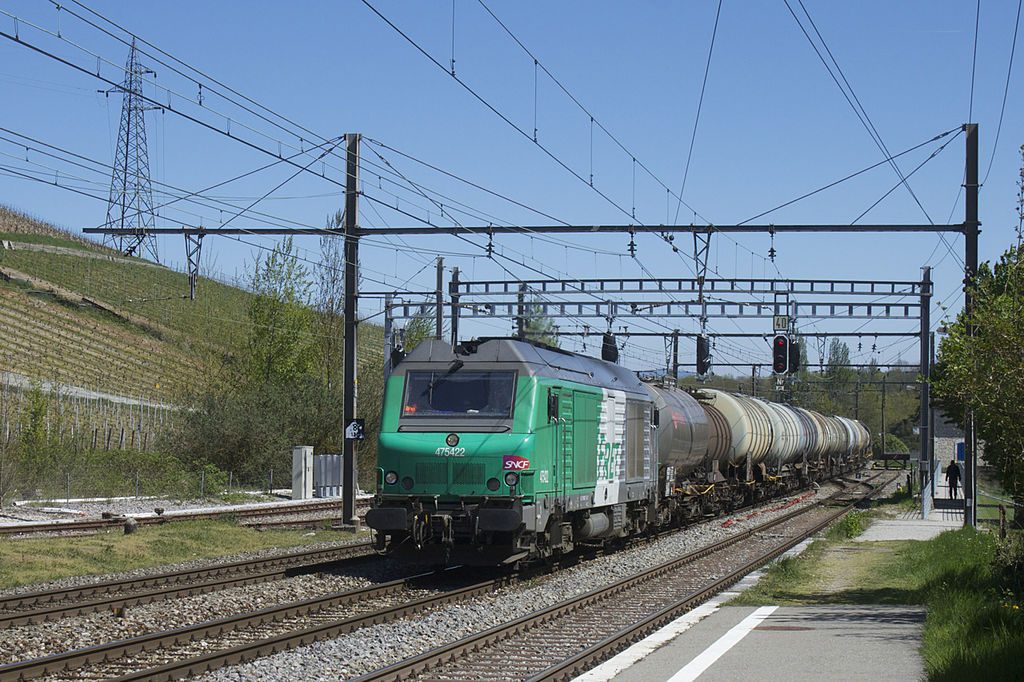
(850, 526)
(892, 444)
(120, 473)
(1009, 562)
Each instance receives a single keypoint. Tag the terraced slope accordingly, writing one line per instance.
(48, 340)
(157, 294)
(20, 226)
(79, 315)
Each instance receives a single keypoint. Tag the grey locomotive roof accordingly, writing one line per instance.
(528, 359)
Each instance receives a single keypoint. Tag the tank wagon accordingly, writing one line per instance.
(501, 450)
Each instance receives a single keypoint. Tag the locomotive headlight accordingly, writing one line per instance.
(407, 483)
(452, 440)
(511, 479)
(391, 477)
(493, 484)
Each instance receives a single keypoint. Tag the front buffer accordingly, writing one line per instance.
(441, 505)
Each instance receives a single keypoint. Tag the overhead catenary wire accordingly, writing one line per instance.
(496, 111)
(476, 95)
(700, 106)
(155, 103)
(974, 60)
(640, 263)
(851, 175)
(858, 108)
(931, 156)
(152, 102)
(848, 93)
(594, 120)
(1006, 89)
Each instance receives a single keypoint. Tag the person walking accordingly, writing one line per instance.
(952, 478)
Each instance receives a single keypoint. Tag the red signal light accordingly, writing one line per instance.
(780, 354)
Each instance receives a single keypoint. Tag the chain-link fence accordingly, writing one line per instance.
(99, 474)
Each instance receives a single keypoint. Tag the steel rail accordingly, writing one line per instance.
(109, 652)
(424, 662)
(118, 521)
(601, 651)
(67, 661)
(167, 585)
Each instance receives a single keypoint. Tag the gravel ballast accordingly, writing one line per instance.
(380, 645)
(377, 646)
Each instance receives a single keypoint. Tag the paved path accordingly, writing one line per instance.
(718, 643)
(909, 528)
(791, 644)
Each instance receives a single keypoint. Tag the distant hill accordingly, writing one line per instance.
(75, 312)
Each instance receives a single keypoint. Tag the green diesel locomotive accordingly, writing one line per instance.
(501, 450)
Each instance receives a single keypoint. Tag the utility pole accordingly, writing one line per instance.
(884, 377)
(439, 303)
(348, 478)
(931, 419)
(389, 336)
(675, 358)
(453, 294)
(925, 426)
(856, 401)
(971, 225)
(753, 380)
(521, 313)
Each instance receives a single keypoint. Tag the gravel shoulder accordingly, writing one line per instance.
(374, 647)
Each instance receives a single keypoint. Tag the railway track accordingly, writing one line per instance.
(227, 641)
(249, 516)
(213, 644)
(30, 608)
(569, 638)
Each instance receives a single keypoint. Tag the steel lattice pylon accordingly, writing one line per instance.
(131, 191)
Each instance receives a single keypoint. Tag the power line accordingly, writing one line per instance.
(851, 175)
(700, 105)
(974, 61)
(480, 98)
(1006, 87)
(187, 66)
(858, 108)
(226, 133)
(194, 197)
(594, 120)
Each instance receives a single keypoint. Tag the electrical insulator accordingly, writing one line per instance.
(780, 354)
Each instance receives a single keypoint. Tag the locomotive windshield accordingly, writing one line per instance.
(463, 393)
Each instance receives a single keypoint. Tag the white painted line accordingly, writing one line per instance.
(645, 647)
(615, 665)
(692, 670)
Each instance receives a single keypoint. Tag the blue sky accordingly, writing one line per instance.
(773, 126)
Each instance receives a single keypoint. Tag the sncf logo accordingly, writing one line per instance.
(515, 463)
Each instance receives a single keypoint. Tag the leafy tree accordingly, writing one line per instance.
(280, 346)
(420, 328)
(330, 302)
(537, 326)
(984, 371)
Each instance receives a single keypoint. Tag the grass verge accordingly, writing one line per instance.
(975, 623)
(29, 561)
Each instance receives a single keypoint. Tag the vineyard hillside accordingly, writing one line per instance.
(75, 313)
